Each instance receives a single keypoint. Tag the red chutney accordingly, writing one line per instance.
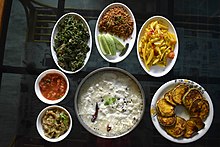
(53, 86)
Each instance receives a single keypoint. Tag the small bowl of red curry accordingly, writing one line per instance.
(51, 86)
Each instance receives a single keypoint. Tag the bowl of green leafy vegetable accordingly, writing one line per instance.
(71, 43)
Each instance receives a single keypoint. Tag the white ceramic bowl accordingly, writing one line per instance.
(40, 128)
(160, 93)
(54, 32)
(158, 71)
(37, 88)
(130, 40)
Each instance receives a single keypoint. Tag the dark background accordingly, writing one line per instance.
(25, 53)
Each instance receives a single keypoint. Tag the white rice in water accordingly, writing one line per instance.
(119, 101)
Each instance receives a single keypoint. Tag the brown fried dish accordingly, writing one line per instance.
(196, 105)
(178, 93)
(164, 108)
(117, 21)
(55, 122)
(190, 97)
(178, 129)
(166, 121)
(191, 129)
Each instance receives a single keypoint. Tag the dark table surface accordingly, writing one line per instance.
(25, 53)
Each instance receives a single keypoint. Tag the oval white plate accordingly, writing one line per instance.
(54, 32)
(162, 90)
(158, 71)
(131, 40)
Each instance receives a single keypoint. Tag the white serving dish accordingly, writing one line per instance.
(131, 40)
(54, 32)
(158, 71)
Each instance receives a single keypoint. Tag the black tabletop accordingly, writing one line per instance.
(25, 53)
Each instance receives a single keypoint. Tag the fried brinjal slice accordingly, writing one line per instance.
(199, 123)
(169, 98)
(164, 108)
(190, 97)
(178, 93)
(178, 129)
(191, 129)
(200, 108)
(166, 121)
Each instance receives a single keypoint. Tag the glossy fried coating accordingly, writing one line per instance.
(166, 121)
(191, 129)
(198, 121)
(190, 97)
(164, 108)
(200, 108)
(178, 93)
(178, 129)
(169, 98)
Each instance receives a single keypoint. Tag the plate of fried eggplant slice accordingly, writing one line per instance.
(182, 111)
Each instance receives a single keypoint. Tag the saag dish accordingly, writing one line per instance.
(71, 43)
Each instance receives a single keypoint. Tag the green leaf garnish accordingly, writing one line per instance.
(64, 118)
(109, 100)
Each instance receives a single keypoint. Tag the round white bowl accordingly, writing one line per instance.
(54, 32)
(40, 128)
(37, 87)
(117, 58)
(158, 71)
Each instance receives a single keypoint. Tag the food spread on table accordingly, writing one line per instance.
(112, 104)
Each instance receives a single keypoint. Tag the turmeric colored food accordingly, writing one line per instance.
(156, 45)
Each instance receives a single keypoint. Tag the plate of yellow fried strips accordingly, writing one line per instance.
(157, 46)
(182, 111)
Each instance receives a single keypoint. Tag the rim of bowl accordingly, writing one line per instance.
(89, 42)
(40, 129)
(134, 31)
(90, 75)
(171, 64)
(37, 88)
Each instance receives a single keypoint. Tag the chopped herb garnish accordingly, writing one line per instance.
(109, 100)
(64, 118)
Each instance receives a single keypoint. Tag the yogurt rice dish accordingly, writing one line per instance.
(110, 103)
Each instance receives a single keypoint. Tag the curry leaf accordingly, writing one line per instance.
(109, 100)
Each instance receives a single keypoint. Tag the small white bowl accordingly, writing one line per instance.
(40, 128)
(37, 87)
(158, 71)
(54, 32)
